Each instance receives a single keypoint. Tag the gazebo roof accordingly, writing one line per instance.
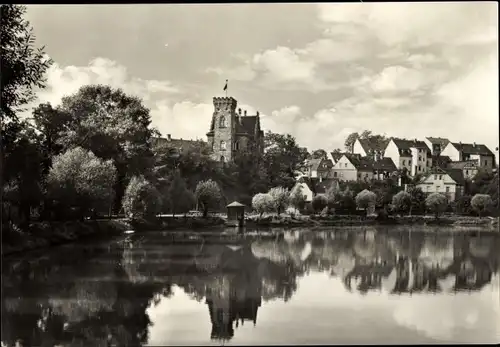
(235, 204)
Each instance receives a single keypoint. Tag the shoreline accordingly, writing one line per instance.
(46, 235)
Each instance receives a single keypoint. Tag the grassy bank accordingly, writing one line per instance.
(45, 234)
(356, 220)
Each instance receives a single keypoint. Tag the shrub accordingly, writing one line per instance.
(462, 205)
(436, 203)
(481, 203)
(208, 194)
(279, 197)
(333, 194)
(262, 202)
(417, 200)
(179, 197)
(401, 202)
(141, 199)
(366, 200)
(319, 202)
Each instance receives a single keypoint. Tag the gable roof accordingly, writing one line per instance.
(359, 162)
(456, 175)
(404, 145)
(438, 141)
(246, 124)
(441, 160)
(372, 144)
(468, 148)
(385, 164)
(336, 155)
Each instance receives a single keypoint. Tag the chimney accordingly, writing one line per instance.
(245, 113)
(474, 144)
(258, 113)
(169, 137)
(239, 111)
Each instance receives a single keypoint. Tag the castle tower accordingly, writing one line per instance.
(222, 129)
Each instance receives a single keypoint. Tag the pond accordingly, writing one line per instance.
(342, 286)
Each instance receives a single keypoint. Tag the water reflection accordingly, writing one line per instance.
(99, 295)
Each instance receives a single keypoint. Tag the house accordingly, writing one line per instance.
(335, 156)
(319, 168)
(366, 146)
(384, 168)
(466, 151)
(353, 167)
(412, 155)
(436, 144)
(449, 182)
(469, 167)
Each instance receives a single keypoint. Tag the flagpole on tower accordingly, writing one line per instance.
(225, 87)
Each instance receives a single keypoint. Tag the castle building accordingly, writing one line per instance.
(232, 132)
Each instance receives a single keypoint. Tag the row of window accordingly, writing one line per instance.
(438, 188)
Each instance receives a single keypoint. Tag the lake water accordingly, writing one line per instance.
(321, 287)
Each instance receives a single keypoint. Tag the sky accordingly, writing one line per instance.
(316, 71)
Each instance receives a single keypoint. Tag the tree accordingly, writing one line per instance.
(262, 203)
(279, 197)
(481, 203)
(346, 200)
(319, 154)
(79, 179)
(23, 66)
(208, 194)
(349, 142)
(332, 194)
(179, 197)
(417, 199)
(366, 199)
(297, 198)
(141, 199)
(319, 202)
(401, 202)
(282, 157)
(113, 125)
(437, 203)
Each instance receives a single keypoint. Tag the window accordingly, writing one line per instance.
(435, 177)
(466, 172)
(419, 168)
(447, 189)
(419, 158)
(223, 145)
(345, 165)
(485, 162)
(341, 174)
(440, 177)
(335, 174)
(404, 162)
(222, 122)
(437, 188)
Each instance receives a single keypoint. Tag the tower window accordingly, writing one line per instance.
(222, 122)
(223, 145)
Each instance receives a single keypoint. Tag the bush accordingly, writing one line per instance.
(208, 194)
(481, 203)
(366, 200)
(345, 201)
(436, 203)
(308, 209)
(333, 194)
(401, 202)
(319, 202)
(279, 197)
(297, 198)
(462, 205)
(417, 200)
(262, 203)
(141, 199)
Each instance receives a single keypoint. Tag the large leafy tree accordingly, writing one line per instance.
(281, 158)
(23, 66)
(112, 125)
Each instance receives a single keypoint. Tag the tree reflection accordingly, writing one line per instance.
(102, 300)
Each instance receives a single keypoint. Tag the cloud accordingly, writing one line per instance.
(169, 112)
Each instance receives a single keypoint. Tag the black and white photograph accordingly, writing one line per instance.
(211, 174)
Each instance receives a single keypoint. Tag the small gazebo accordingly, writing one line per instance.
(236, 213)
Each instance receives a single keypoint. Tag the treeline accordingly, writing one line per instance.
(94, 153)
